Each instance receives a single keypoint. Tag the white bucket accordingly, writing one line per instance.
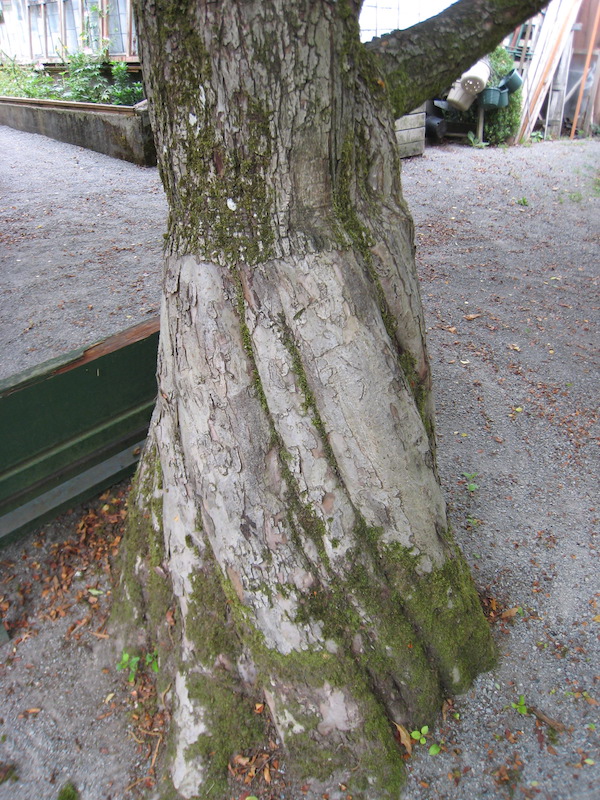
(474, 80)
(459, 98)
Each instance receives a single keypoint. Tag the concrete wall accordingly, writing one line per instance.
(118, 131)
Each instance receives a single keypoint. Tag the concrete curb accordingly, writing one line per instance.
(118, 131)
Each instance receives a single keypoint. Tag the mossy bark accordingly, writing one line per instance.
(290, 472)
(416, 71)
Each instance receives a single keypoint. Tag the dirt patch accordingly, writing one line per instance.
(508, 257)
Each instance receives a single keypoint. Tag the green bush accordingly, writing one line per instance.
(501, 62)
(20, 81)
(503, 123)
(124, 91)
(88, 78)
(85, 79)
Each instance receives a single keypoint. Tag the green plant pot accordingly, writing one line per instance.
(490, 98)
(512, 81)
(503, 99)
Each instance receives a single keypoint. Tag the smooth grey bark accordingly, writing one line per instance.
(287, 514)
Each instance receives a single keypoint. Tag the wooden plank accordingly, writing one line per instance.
(412, 149)
(412, 135)
(556, 28)
(82, 355)
(588, 116)
(416, 120)
(556, 99)
(588, 59)
(128, 111)
(67, 416)
(116, 342)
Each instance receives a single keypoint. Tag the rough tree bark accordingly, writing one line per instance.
(288, 538)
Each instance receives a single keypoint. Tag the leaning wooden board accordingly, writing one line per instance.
(73, 426)
(410, 133)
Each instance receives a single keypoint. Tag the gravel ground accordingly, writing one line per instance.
(508, 255)
(81, 247)
(508, 250)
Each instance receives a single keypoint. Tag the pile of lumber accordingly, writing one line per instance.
(550, 39)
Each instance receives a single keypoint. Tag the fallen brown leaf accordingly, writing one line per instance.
(404, 737)
(447, 705)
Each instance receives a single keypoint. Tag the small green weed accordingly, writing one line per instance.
(68, 792)
(130, 663)
(575, 197)
(419, 736)
(151, 660)
(471, 485)
(537, 136)
(475, 142)
(523, 201)
(520, 706)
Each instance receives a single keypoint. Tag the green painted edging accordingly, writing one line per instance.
(67, 416)
(82, 486)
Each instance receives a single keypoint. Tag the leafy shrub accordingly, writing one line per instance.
(88, 78)
(502, 123)
(501, 62)
(124, 91)
(85, 79)
(30, 81)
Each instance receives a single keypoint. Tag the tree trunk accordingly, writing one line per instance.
(287, 505)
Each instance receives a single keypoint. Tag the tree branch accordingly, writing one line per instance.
(421, 61)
